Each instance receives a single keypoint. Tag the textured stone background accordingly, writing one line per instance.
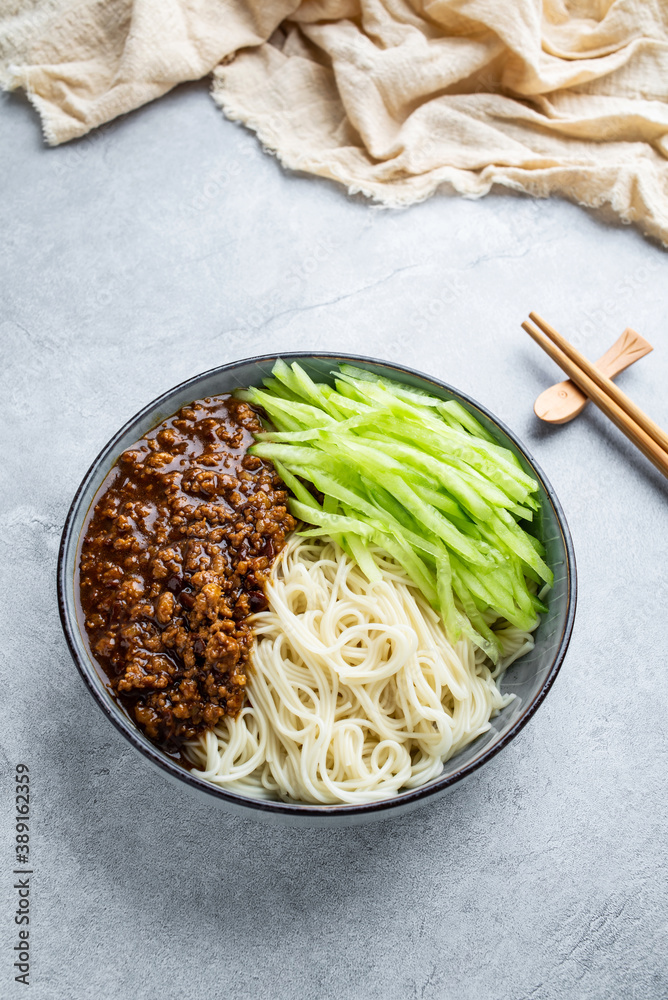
(167, 244)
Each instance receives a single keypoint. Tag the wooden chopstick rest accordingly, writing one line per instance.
(564, 401)
(611, 392)
(643, 433)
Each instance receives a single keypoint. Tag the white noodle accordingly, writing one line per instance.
(355, 692)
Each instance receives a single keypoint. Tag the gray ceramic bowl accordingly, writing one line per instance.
(530, 678)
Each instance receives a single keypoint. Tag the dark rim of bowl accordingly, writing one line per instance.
(126, 726)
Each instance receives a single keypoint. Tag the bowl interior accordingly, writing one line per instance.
(528, 678)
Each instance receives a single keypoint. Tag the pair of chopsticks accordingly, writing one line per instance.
(629, 418)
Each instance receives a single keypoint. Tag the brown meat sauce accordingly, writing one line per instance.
(174, 559)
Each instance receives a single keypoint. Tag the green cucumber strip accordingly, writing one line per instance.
(273, 386)
(387, 505)
(378, 515)
(362, 557)
(537, 544)
(418, 572)
(291, 454)
(416, 569)
(441, 501)
(502, 487)
(514, 543)
(477, 468)
(315, 434)
(454, 410)
(397, 388)
(518, 541)
(330, 505)
(419, 477)
(392, 529)
(490, 643)
(384, 474)
(289, 437)
(510, 573)
(522, 512)
(531, 575)
(451, 619)
(434, 521)
(538, 604)
(299, 382)
(411, 393)
(288, 415)
(487, 488)
(474, 625)
(296, 486)
(330, 484)
(352, 393)
(440, 439)
(432, 468)
(333, 522)
(519, 587)
(347, 407)
(490, 593)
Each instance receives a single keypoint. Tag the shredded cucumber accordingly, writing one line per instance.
(421, 478)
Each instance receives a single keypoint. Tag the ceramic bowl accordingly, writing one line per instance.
(530, 678)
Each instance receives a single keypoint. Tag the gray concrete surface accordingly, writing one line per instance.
(169, 243)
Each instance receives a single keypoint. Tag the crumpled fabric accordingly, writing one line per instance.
(392, 98)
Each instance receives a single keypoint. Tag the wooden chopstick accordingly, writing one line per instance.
(601, 380)
(619, 416)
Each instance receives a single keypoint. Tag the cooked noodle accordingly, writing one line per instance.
(355, 691)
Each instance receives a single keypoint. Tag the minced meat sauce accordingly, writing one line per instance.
(173, 561)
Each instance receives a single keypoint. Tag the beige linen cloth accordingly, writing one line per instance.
(390, 97)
